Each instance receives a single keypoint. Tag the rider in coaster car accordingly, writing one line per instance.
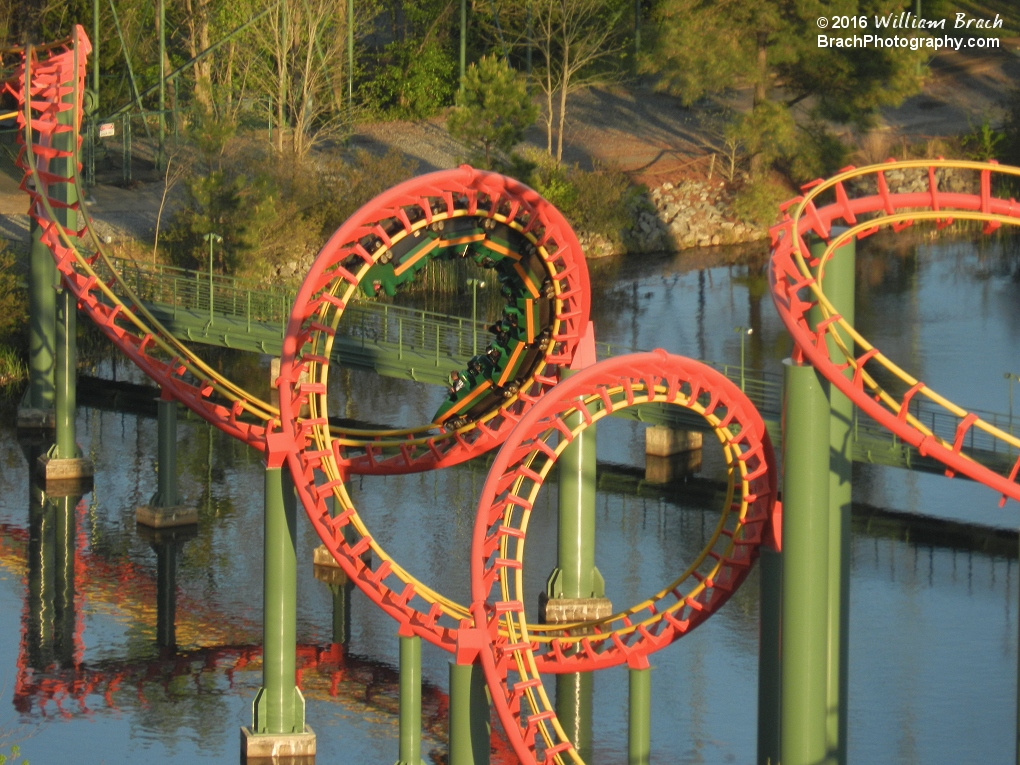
(456, 383)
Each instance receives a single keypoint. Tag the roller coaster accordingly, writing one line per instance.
(514, 396)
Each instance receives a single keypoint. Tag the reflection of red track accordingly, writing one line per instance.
(795, 292)
(518, 651)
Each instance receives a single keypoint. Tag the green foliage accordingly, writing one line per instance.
(820, 153)
(417, 79)
(768, 131)
(493, 108)
(13, 757)
(982, 144)
(599, 201)
(345, 185)
(13, 297)
(758, 201)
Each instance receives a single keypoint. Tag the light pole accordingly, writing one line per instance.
(1012, 377)
(211, 239)
(474, 284)
(743, 332)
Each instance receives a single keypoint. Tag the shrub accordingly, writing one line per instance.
(417, 80)
(758, 201)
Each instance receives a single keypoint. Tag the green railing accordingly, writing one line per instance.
(412, 333)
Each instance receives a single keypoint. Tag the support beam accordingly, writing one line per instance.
(470, 722)
(165, 509)
(278, 724)
(805, 567)
(770, 567)
(839, 281)
(410, 700)
(639, 728)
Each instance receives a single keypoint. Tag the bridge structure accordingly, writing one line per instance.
(536, 394)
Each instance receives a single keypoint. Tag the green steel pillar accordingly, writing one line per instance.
(839, 284)
(42, 322)
(166, 493)
(805, 619)
(410, 700)
(770, 568)
(41, 580)
(463, 42)
(639, 729)
(470, 724)
(279, 706)
(66, 375)
(576, 575)
(342, 612)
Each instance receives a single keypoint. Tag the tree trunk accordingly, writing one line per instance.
(198, 41)
(761, 93)
(564, 85)
(282, 72)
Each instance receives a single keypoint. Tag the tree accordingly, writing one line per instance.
(771, 46)
(578, 44)
(493, 108)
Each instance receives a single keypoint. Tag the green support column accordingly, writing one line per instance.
(66, 377)
(470, 724)
(805, 619)
(42, 323)
(410, 700)
(66, 372)
(839, 285)
(166, 493)
(41, 579)
(342, 612)
(574, 709)
(770, 568)
(639, 729)
(279, 706)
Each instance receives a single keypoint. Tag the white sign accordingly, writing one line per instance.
(106, 129)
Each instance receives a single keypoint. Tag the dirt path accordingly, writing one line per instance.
(648, 135)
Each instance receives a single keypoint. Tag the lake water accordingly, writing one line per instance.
(933, 629)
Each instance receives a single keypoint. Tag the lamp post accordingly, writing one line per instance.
(211, 239)
(474, 284)
(743, 332)
(1012, 377)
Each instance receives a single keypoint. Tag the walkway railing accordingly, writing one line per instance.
(399, 330)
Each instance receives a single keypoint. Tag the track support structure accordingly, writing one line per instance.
(278, 712)
(839, 278)
(639, 727)
(470, 725)
(166, 510)
(805, 536)
(410, 700)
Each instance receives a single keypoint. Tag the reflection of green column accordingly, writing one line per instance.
(639, 742)
(410, 700)
(63, 612)
(166, 593)
(342, 612)
(805, 566)
(41, 585)
(839, 284)
(279, 706)
(770, 567)
(470, 727)
(42, 309)
(573, 708)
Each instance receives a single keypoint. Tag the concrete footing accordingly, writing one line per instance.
(64, 469)
(291, 748)
(663, 441)
(563, 610)
(669, 469)
(325, 568)
(166, 517)
(36, 419)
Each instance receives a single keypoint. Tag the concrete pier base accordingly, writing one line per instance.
(166, 517)
(325, 568)
(663, 441)
(289, 748)
(563, 610)
(669, 469)
(63, 477)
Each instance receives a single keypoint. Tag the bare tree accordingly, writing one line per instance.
(576, 41)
